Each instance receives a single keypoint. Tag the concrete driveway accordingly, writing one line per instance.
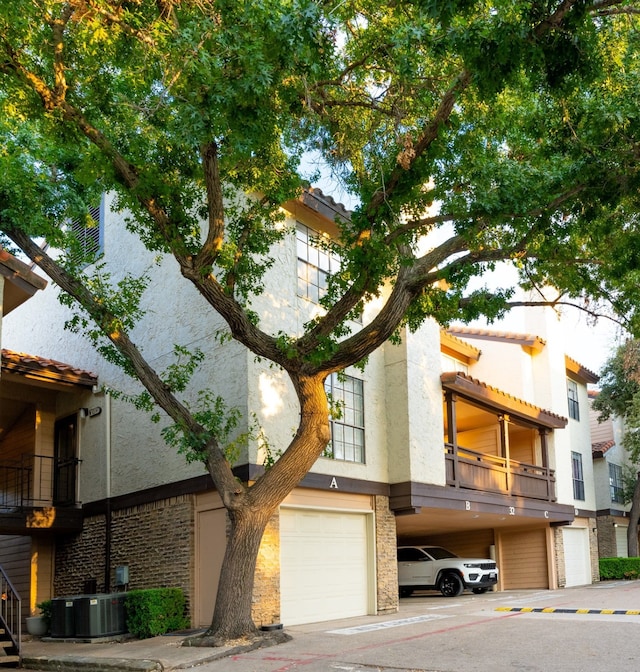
(588, 629)
(495, 632)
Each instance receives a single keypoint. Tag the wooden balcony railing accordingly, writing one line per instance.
(472, 470)
(37, 480)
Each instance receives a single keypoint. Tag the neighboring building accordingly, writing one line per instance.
(610, 465)
(39, 400)
(460, 438)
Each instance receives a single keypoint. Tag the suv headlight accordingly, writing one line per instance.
(475, 565)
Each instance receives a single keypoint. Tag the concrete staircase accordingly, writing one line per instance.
(10, 623)
(9, 652)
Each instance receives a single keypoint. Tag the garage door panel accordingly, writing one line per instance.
(324, 567)
(577, 559)
(523, 559)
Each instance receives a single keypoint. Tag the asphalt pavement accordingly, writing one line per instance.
(568, 630)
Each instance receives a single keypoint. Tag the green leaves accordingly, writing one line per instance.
(470, 134)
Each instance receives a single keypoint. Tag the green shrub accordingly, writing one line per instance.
(619, 568)
(46, 611)
(155, 611)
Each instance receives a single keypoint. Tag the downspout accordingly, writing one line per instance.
(107, 515)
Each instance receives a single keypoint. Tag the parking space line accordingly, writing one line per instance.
(358, 629)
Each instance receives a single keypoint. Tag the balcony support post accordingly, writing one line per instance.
(452, 433)
(544, 450)
(503, 421)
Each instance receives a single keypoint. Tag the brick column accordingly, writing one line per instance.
(386, 557)
(266, 588)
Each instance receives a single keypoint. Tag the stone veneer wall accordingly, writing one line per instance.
(80, 558)
(606, 537)
(154, 540)
(266, 588)
(386, 557)
(558, 547)
(558, 540)
(593, 547)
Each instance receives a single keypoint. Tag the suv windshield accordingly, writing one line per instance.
(438, 553)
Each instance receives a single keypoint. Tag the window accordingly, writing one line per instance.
(572, 397)
(449, 363)
(347, 431)
(578, 476)
(89, 233)
(314, 265)
(615, 483)
(66, 462)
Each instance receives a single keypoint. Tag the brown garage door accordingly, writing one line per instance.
(523, 559)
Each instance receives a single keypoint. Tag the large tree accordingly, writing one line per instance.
(508, 131)
(619, 396)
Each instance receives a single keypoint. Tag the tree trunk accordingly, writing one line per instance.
(232, 618)
(251, 509)
(634, 517)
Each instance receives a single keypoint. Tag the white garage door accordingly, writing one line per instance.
(577, 560)
(325, 565)
(622, 547)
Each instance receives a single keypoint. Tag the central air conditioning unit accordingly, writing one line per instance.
(63, 620)
(100, 615)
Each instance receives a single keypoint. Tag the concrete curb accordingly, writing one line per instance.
(90, 663)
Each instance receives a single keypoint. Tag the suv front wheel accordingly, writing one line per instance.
(450, 585)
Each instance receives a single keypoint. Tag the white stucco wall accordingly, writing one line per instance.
(123, 451)
(414, 408)
(540, 379)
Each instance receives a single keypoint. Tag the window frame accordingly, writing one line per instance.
(318, 264)
(616, 484)
(351, 421)
(573, 402)
(577, 473)
(90, 238)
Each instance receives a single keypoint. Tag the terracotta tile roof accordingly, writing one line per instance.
(580, 371)
(313, 203)
(526, 340)
(450, 342)
(500, 401)
(601, 447)
(326, 200)
(21, 282)
(46, 370)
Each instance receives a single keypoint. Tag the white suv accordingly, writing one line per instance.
(433, 567)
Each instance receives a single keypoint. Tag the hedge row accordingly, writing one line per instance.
(619, 568)
(155, 611)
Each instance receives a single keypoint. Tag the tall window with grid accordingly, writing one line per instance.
(578, 476)
(616, 484)
(315, 265)
(347, 430)
(572, 399)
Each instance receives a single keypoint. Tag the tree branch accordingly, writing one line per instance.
(164, 398)
(215, 206)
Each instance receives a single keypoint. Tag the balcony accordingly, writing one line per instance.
(474, 470)
(37, 493)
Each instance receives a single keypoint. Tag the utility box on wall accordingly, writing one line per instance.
(100, 615)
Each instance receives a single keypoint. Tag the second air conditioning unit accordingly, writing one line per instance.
(100, 615)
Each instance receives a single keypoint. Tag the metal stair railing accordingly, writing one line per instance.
(10, 611)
